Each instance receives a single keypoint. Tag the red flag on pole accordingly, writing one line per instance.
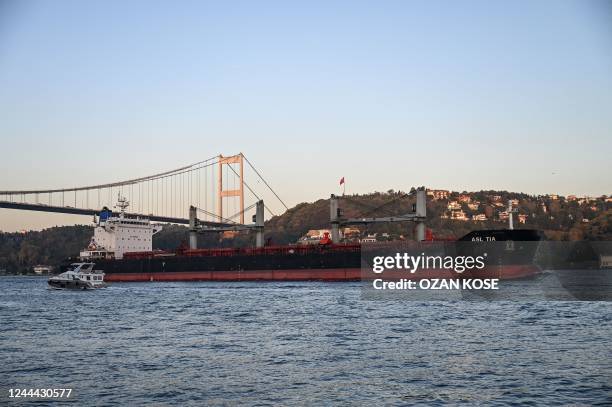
(341, 180)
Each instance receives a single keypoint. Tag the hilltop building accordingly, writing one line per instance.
(459, 215)
(438, 194)
(454, 206)
(465, 198)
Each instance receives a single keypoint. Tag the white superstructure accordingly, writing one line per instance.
(116, 235)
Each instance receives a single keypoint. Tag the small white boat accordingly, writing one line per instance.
(79, 276)
(42, 269)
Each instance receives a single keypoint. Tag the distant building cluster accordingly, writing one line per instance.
(347, 234)
(438, 194)
(463, 206)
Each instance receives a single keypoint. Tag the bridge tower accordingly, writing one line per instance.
(222, 193)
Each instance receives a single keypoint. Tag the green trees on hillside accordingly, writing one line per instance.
(19, 252)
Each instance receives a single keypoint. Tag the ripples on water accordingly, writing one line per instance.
(298, 343)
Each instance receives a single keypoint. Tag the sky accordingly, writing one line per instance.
(465, 95)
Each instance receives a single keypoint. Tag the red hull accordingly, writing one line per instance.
(507, 272)
(339, 274)
(343, 274)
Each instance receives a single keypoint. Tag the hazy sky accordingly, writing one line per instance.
(459, 95)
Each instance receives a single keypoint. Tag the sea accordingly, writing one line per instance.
(309, 343)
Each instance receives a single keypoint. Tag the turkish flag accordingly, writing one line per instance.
(341, 180)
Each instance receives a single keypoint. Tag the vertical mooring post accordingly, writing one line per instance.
(259, 224)
(334, 217)
(421, 213)
(193, 234)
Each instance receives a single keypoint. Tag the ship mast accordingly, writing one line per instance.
(122, 203)
(510, 215)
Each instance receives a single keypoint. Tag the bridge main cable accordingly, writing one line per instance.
(115, 184)
(265, 182)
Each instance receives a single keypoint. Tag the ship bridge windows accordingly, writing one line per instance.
(127, 222)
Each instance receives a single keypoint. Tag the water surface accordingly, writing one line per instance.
(298, 343)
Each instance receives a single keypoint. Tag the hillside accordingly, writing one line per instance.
(456, 214)
(19, 252)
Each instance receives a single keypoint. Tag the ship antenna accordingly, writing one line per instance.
(122, 203)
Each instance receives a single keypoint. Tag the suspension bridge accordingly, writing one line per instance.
(217, 187)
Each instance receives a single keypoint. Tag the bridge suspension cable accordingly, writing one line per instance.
(253, 192)
(160, 175)
(265, 182)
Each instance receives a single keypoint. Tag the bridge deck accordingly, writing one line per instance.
(90, 212)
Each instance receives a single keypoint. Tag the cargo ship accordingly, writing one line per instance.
(122, 247)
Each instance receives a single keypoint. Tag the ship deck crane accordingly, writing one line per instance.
(418, 215)
(196, 226)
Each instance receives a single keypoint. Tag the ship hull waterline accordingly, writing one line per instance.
(506, 272)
